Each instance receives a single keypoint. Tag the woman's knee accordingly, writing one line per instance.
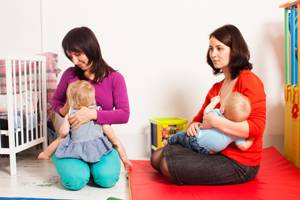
(107, 171)
(155, 161)
(106, 179)
(156, 158)
(164, 169)
(74, 181)
(74, 173)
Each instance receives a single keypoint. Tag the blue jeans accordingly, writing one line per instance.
(188, 142)
(75, 173)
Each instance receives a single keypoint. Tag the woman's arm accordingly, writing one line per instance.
(63, 111)
(120, 113)
(194, 125)
(58, 101)
(238, 129)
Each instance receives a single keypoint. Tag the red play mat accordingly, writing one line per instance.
(277, 179)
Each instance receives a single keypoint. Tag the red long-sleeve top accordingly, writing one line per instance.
(251, 86)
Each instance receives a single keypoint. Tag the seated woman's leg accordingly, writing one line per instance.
(106, 172)
(191, 168)
(165, 169)
(156, 158)
(74, 173)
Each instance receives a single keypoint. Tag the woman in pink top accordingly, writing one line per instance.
(82, 48)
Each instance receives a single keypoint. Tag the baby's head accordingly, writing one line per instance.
(80, 93)
(237, 107)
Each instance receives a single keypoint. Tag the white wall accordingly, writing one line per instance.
(160, 48)
(20, 27)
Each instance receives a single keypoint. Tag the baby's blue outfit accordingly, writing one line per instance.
(207, 140)
(86, 142)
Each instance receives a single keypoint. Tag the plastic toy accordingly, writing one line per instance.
(163, 128)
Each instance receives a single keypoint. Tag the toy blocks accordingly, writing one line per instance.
(163, 128)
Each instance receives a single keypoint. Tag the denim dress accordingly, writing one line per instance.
(86, 142)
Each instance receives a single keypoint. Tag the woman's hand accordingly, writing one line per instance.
(193, 129)
(64, 110)
(82, 116)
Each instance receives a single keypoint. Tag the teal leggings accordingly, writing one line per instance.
(75, 173)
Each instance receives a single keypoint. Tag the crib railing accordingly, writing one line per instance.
(24, 87)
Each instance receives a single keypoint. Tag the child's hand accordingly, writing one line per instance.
(127, 164)
(213, 103)
(215, 99)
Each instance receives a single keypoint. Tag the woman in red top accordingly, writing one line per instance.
(227, 54)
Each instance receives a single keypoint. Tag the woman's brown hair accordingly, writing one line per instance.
(239, 53)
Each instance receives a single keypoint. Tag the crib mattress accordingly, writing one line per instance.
(277, 179)
(26, 120)
(18, 138)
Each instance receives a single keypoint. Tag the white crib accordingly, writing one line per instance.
(23, 111)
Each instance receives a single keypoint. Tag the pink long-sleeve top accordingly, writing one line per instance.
(111, 95)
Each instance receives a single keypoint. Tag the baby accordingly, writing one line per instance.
(237, 108)
(90, 141)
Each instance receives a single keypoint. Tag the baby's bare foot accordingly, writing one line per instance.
(43, 156)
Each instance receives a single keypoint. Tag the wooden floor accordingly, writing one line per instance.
(36, 178)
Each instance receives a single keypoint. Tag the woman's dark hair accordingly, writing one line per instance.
(239, 53)
(83, 40)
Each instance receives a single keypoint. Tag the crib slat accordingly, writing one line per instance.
(40, 95)
(13, 68)
(21, 104)
(10, 116)
(44, 101)
(26, 105)
(35, 100)
(30, 111)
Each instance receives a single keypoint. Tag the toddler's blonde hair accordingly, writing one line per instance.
(80, 93)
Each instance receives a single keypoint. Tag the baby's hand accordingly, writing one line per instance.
(213, 103)
(127, 164)
(215, 99)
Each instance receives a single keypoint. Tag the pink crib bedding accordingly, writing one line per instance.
(52, 72)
